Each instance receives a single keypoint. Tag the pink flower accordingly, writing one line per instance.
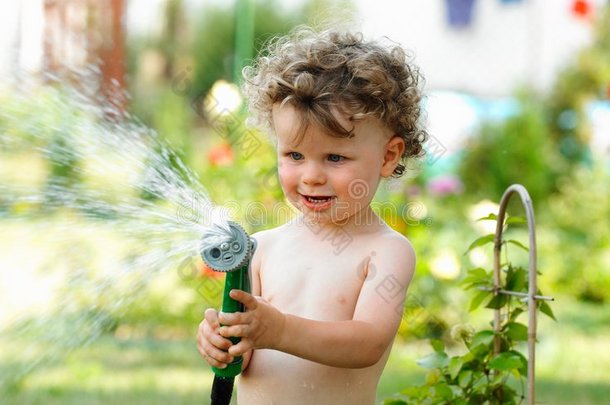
(445, 185)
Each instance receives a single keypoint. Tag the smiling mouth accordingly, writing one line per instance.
(317, 203)
(317, 199)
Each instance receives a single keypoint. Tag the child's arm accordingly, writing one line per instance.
(355, 343)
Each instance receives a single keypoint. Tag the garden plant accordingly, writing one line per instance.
(492, 369)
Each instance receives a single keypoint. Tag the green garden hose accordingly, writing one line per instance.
(228, 248)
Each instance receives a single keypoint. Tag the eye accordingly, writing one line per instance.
(335, 158)
(295, 155)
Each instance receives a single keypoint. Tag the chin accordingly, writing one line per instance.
(323, 216)
(326, 218)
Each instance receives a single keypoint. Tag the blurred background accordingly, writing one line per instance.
(517, 91)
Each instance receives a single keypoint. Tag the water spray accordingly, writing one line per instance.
(226, 247)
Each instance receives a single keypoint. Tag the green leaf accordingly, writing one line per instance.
(497, 378)
(508, 394)
(483, 240)
(480, 382)
(433, 377)
(437, 345)
(483, 284)
(443, 391)
(515, 279)
(519, 244)
(545, 308)
(506, 361)
(516, 331)
(467, 357)
(515, 220)
(394, 402)
(478, 299)
(478, 272)
(497, 302)
(434, 360)
(490, 217)
(465, 378)
(484, 337)
(523, 369)
(454, 367)
(475, 276)
(413, 392)
(515, 314)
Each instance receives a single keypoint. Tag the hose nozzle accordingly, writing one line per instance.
(226, 247)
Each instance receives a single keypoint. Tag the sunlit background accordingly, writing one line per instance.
(517, 91)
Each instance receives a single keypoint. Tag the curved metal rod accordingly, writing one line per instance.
(532, 272)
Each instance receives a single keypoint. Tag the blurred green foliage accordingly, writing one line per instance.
(586, 78)
(545, 147)
(47, 120)
(518, 150)
(549, 137)
(214, 42)
(576, 243)
(172, 73)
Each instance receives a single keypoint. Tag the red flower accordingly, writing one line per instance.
(221, 155)
(582, 8)
(206, 272)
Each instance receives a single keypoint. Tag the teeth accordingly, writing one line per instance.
(317, 199)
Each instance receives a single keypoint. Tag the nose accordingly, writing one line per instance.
(313, 174)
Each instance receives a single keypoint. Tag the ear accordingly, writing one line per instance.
(393, 152)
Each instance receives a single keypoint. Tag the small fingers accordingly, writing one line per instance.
(245, 298)
(234, 331)
(214, 356)
(211, 316)
(234, 318)
(210, 344)
(242, 347)
(207, 333)
(218, 341)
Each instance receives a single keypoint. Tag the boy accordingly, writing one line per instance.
(319, 324)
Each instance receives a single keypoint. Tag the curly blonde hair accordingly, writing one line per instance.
(318, 72)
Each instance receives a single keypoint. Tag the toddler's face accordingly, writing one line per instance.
(329, 178)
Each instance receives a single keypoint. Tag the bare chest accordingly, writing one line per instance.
(316, 285)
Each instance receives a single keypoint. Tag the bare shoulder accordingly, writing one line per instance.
(268, 236)
(394, 254)
(266, 239)
(394, 244)
(263, 237)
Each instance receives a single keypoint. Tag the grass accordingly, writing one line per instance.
(113, 370)
(573, 367)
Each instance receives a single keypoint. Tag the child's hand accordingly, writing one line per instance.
(210, 344)
(260, 327)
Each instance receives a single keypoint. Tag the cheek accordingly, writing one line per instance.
(287, 176)
(358, 187)
(345, 184)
